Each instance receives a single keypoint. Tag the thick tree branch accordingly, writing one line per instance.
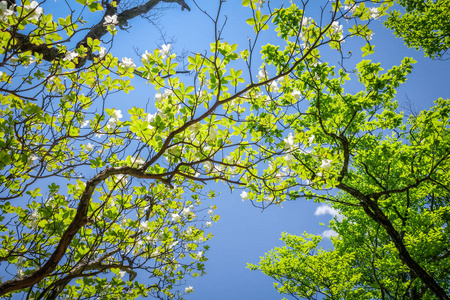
(96, 32)
(77, 223)
(372, 210)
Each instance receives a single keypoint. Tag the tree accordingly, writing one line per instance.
(376, 247)
(92, 201)
(424, 24)
(391, 174)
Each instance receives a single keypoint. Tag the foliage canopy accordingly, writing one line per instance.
(92, 200)
(424, 24)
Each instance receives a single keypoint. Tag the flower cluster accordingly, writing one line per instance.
(289, 142)
(112, 122)
(111, 22)
(127, 63)
(337, 29)
(70, 55)
(262, 75)
(374, 13)
(34, 11)
(165, 50)
(34, 219)
(5, 12)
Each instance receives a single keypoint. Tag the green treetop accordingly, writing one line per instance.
(423, 24)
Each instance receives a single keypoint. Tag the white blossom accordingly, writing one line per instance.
(175, 217)
(269, 198)
(70, 55)
(34, 217)
(326, 164)
(296, 94)
(144, 226)
(99, 135)
(122, 273)
(111, 20)
(279, 175)
(127, 63)
(289, 158)
(34, 10)
(29, 61)
(207, 165)
(374, 14)
(189, 231)
(311, 139)
(208, 224)
(146, 55)
(89, 147)
(204, 81)
(117, 114)
(80, 186)
(199, 254)
(32, 160)
(167, 93)
(186, 212)
(189, 289)
(289, 142)
(122, 178)
(155, 253)
(84, 123)
(274, 86)
(150, 117)
(20, 273)
(111, 125)
(4, 11)
(262, 75)
(351, 8)
(138, 160)
(261, 3)
(196, 127)
(316, 63)
(20, 261)
(305, 21)
(102, 52)
(165, 50)
(173, 244)
(159, 96)
(337, 28)
(212, 136)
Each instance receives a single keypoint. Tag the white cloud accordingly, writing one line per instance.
(329, 233)
(325, 209)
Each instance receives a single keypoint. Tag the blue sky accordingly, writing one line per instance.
(244, 233)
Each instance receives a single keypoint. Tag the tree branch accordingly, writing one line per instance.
(77, 223)
(372, 210)
(96, 32)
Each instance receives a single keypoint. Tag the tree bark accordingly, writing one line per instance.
(372, 210)
(79, 221)
(96, 32)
